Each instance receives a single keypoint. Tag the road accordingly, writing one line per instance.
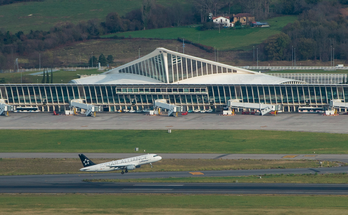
(282, 122)
(73, 183)
(327, 157)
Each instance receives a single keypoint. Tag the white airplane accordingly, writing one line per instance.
(123, 164)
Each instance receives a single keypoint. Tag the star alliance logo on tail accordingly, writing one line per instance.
(86, 162)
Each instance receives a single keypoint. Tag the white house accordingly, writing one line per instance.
(223, 20)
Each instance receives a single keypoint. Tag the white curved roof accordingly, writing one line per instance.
(235, 79)
(169, 67)
(118, 78)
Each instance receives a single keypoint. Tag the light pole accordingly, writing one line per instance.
(331, 53)
(92, 59)
(39, 61)
(215, 53)
(292, 55)
(16, 65)
(257, 57)
(333, 58)
(253, 53)
(139, 53)
(183, 45)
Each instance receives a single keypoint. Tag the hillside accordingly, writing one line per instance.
(44, 15)
(227, 39)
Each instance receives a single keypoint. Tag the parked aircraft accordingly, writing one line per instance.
(123, 164)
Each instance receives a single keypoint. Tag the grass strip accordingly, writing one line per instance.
(40, 166)
(341, 178)
(170, 204)
(179, 141)
(58, 76)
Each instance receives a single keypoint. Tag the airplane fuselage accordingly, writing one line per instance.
(127, 163)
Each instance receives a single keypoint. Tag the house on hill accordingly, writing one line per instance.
(243, 18)
(223, 21)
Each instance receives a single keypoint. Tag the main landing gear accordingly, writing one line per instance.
(126, 171)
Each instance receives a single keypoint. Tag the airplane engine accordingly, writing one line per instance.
(130, 167)
(137, 166)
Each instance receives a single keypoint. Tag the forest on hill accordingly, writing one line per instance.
(319, 33)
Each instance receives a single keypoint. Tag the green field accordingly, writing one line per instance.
(58, 76)
(179, 141)
(170, 204)
(45, 14)
(39, 166)
(291, 178)
(227, 39)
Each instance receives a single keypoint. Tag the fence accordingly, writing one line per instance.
(314, 78)
(280, 68)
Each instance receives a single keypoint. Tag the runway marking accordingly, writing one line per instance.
(158, 185)
(196, 173)
(133, 189)
(289, 156)
(310, 156)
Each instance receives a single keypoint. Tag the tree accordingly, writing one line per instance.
(110, 59)
(93, 27)
(93, 61)
(113, 23)
(207, 26)
(238, 24)
(275, 46)
(146, 11)
(102, 60)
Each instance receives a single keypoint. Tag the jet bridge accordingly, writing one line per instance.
(89, 109)
(172, 109)
(338, 103)
(5, 108)
(264, 108)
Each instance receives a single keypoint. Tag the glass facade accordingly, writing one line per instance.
(152, 67)
(314, 78)
(181, 68)
(169, 67)
(50, 97)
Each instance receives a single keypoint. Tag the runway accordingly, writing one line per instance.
(319, 157)
(73, 183)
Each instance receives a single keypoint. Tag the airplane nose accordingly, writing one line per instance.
(160, 158)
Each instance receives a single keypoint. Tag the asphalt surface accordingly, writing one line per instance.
(282, 122)
(73, 183)
(111, 156)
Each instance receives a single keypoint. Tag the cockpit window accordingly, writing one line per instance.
(155, 155)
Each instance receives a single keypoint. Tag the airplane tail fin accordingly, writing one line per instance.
(85, 161)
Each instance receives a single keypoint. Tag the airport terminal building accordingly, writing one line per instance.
(193, 83)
